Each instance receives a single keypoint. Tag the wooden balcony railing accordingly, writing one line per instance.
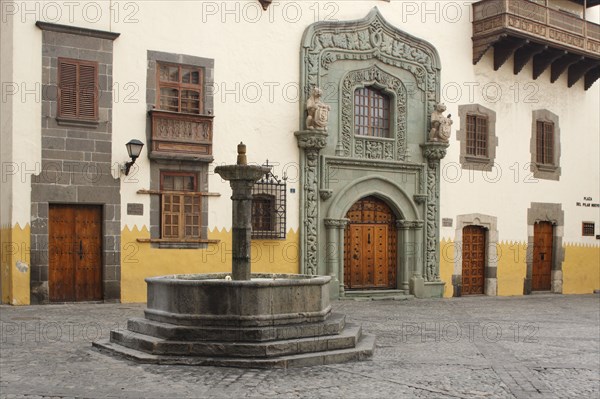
(181, 136)
(529, 30)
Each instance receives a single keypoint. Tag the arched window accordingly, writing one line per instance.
(371, 113)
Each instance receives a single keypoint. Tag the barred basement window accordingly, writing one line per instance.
(269, 207)
(588, 229)
(77, 89)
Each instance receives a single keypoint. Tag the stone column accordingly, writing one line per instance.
(417, 280)
(311, 142)
(241, 229)
(241, 177)
(433, 152)
(341, 229)
(335, 254)
(402, 229)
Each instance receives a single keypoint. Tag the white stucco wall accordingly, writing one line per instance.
(6, 49)
(256, 57)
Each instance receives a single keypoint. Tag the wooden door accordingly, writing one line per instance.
(473, 260)
(370, 246)
(75, 253)
(542, 257)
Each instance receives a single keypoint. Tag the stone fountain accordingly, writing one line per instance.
(246, 320)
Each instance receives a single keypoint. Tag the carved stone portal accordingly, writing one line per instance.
(347, 165)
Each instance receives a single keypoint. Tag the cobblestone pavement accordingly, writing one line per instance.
(540, 346)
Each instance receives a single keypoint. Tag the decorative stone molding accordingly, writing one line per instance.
(409, 224)
(329, 162)
(325, 194)
(369, 147)
(434, 151)
(312, 142)
(369, 38)
(420, 198)
(335, 223)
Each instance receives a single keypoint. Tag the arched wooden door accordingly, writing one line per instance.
(542, 257)
(473, 260)
(370, 246)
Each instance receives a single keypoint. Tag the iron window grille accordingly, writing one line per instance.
(588, 228)
(269, 207)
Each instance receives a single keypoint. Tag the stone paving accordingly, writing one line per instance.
(539, 346)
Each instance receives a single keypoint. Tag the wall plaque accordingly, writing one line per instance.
(135, 209)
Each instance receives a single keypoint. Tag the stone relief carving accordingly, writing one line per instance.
(318, 111)
(373, 149)
(434, 152)
(312, 142)
(366, 39)
(371, 38)
(440, 125)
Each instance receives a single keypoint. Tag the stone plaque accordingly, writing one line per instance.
(446, 222)
(135, 209)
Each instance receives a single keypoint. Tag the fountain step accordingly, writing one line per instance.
(332, 326)
(362, 351)
(157, 346)
(377, 295)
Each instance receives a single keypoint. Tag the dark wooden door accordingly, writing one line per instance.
(473, 260)
(75, 253)
(370, 246)
(542, 256)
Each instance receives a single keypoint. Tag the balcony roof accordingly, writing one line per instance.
(530, 31)
(589, 3)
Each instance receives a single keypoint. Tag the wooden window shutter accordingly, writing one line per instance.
(77, 89)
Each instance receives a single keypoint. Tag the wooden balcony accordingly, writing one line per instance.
(180, 136)
(529, 30)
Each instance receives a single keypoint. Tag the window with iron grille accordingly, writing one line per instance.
(588, 228)
(77, 89)
(181, 206)
(477, 135)
(180, 88)
(371, 113)
(545, 143)
(269, 207)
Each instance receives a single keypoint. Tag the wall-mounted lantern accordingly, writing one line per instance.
(134, 149)
(265, 4)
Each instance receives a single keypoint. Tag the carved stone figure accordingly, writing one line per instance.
(318, 111)
(440, 125)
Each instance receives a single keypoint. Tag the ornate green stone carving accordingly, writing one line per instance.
(339, 57)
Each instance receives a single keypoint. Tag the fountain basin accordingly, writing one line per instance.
(264, 300)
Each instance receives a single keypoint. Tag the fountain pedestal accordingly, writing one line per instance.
(252, 320)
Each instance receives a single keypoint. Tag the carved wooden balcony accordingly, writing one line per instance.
(181, 136)
(530, 30)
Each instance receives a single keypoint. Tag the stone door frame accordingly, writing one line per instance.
(553, 213)
(410, 235)
(490, 224)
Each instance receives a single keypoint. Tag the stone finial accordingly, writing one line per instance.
(241, 158)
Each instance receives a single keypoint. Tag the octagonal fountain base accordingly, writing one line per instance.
(268, 321)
